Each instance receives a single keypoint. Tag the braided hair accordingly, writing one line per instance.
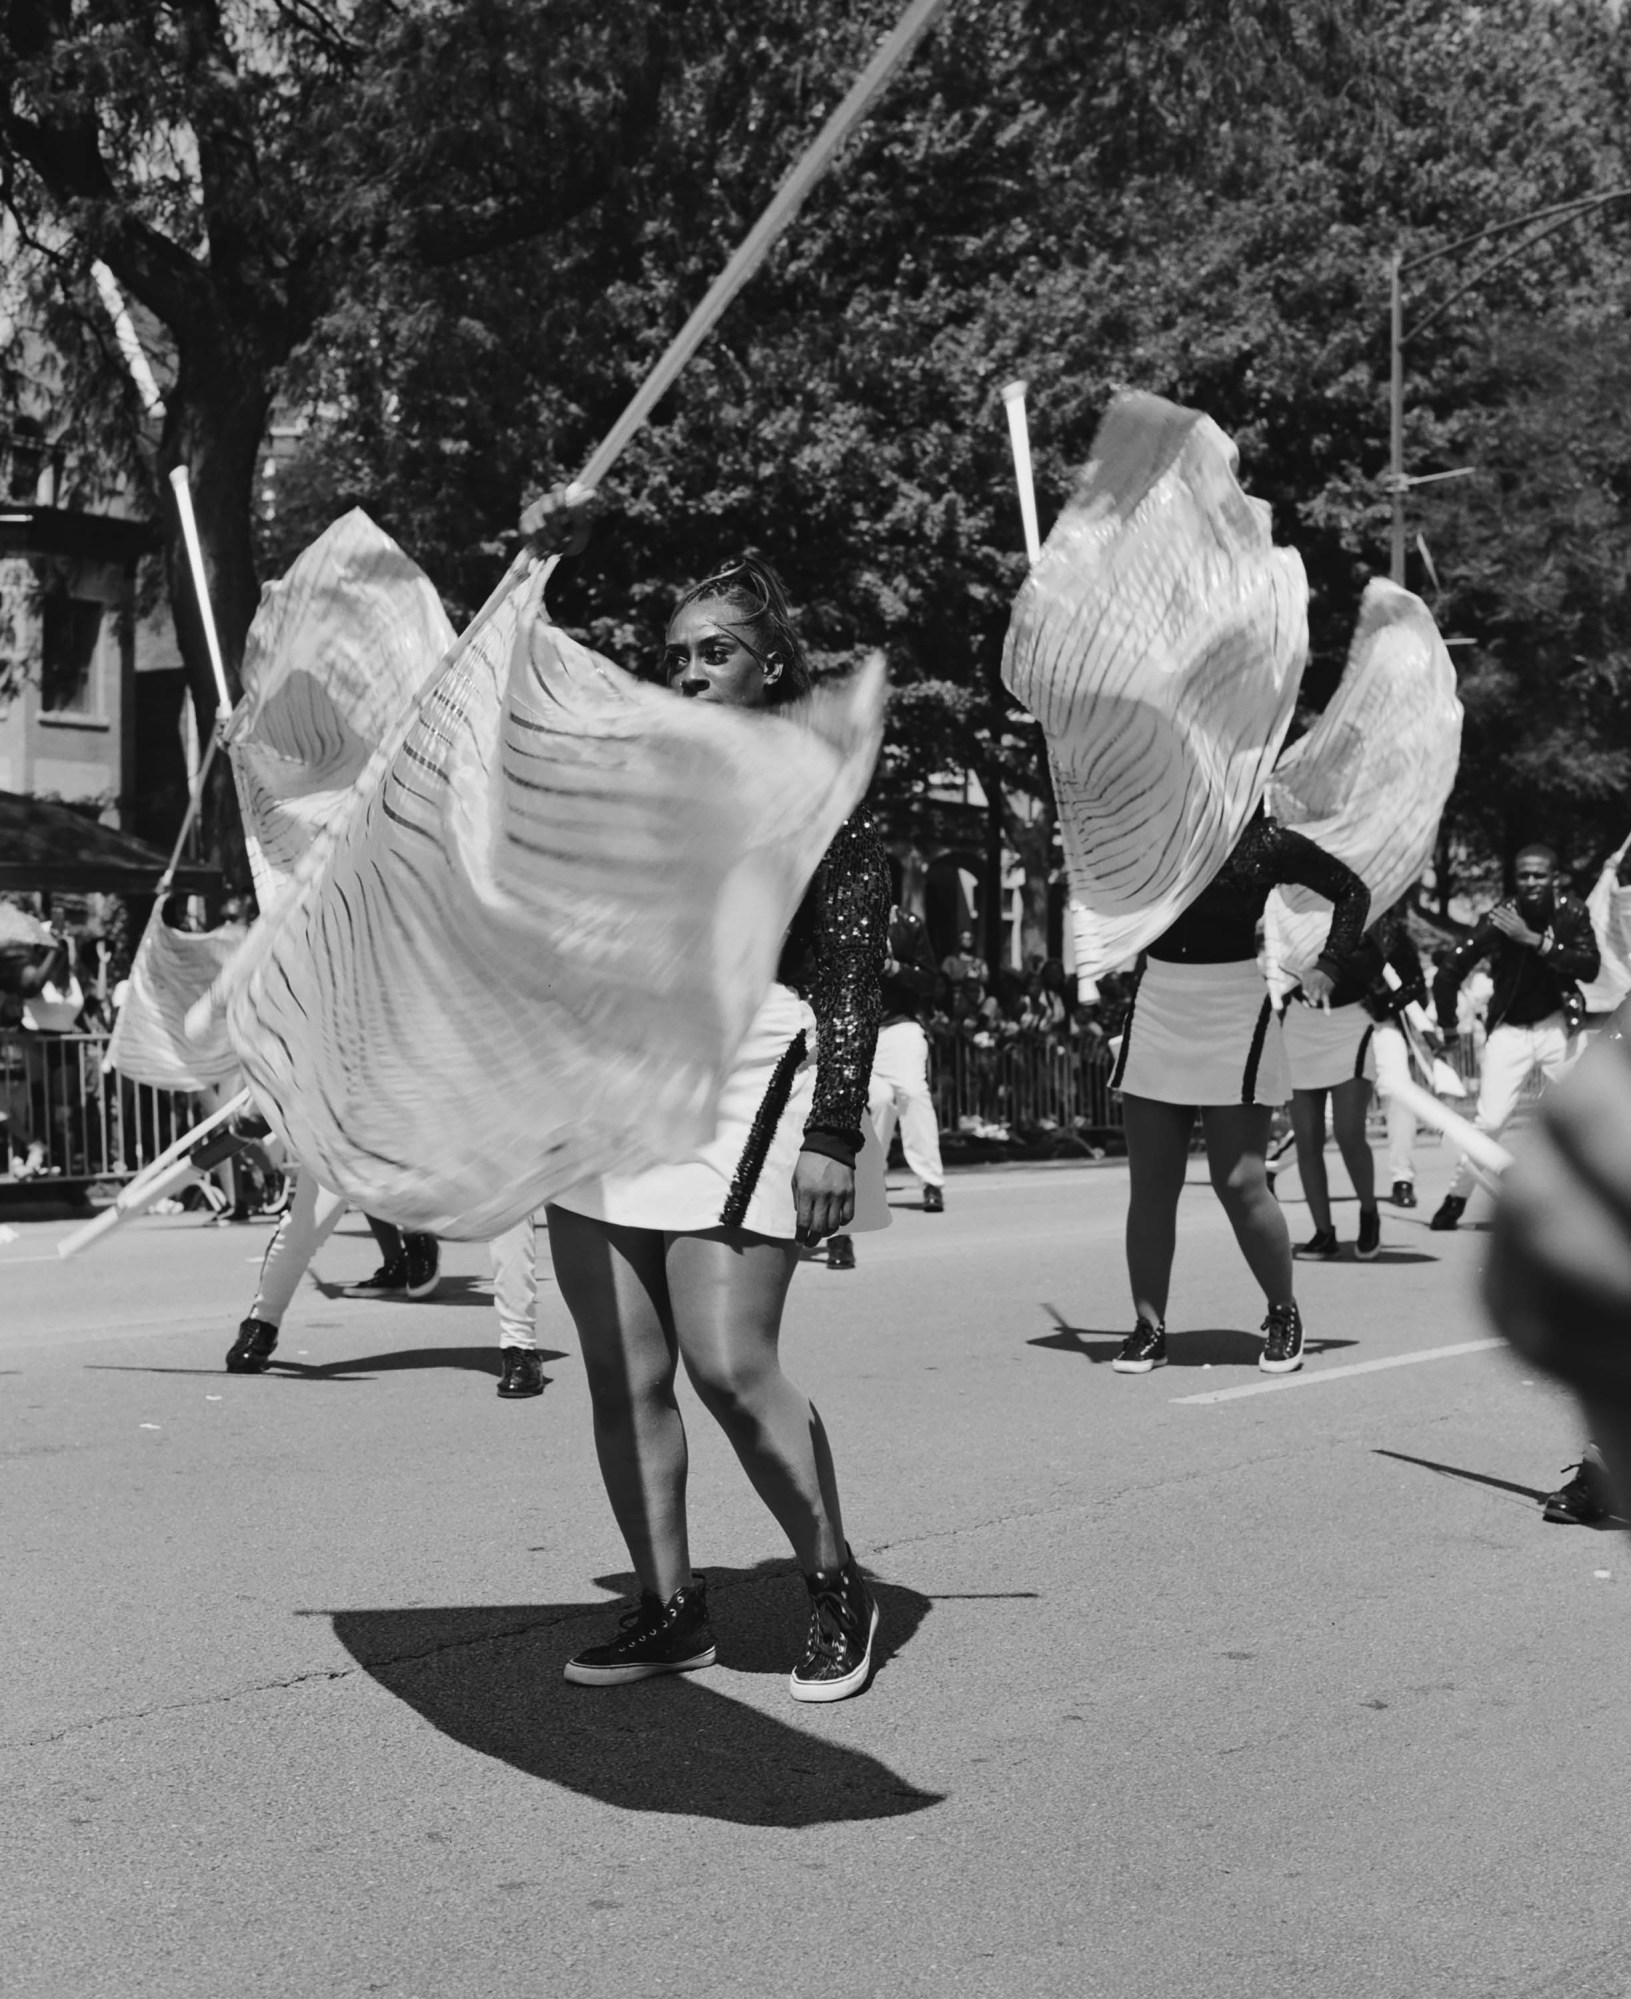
(753, 588)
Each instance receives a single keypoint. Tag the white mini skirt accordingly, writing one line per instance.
(1203, 1034)
(743, 1176)
(1328, 1046)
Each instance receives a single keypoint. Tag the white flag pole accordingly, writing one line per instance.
(1020, 438)
(201, 589)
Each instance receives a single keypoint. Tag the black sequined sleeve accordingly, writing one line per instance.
(851, 896)
(1297, 859)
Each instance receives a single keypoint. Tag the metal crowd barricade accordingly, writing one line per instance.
(62, 1118)
(1025, 1086)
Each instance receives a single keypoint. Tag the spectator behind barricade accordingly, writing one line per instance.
(964, 963)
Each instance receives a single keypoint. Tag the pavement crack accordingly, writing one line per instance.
(177, 1707)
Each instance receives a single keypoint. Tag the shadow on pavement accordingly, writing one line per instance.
(1204, 1346)
(490, 1678)
(475, 1360)
(1456, 1471)
(449, 1291)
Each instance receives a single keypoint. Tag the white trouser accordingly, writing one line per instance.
(1390, 1051)
(1511, 1056)
(306, 1224)
(515, 1285)
(900, 1088)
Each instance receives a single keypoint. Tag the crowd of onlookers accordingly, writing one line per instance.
(1044, 1003)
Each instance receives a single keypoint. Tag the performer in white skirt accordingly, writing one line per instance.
(1332, 1054)
(692, 1261)
(1203, 1035)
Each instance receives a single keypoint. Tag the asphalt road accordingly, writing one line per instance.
(1187, 1691)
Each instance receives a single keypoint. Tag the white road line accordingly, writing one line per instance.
(1279, 1381)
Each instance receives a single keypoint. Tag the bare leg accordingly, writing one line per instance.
(1308, 1122)
(614, 1286)
(1349, 1103)
(727, 1288)
(1157, 1159)
(1237, 1137)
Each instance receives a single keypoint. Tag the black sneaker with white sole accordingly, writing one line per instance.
(1370, 1235)
(653, 1637)
(837, 1659)
(389, 1281)
(1144, 1348)
(1283, 1345)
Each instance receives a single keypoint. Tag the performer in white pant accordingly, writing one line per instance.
(1511, 1056)
(411, 1270)
(515, 1295)
(899, 1084)
(900, 1089)
(1539, 943)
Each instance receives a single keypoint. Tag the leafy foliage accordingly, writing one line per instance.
(453, 237)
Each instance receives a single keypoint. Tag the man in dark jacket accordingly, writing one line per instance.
(1539, 943)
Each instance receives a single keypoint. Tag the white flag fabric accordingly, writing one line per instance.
(1159, 640)
(339, 651)
(1369, 781)
(527, 949)
(171, 971)
(1610, 907)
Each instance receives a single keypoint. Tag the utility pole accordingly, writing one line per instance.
(1396, 427)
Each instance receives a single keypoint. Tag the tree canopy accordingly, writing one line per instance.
(451, 237)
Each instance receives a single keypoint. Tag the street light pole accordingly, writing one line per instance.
(1396, 565)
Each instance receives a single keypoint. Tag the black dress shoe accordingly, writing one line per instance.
(1404, 1193)
(523, 1372)
(934, 1201)
(1448, 1213)
(253, 1348)
(840, 1253)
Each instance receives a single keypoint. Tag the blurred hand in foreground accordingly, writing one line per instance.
(1558, 1281)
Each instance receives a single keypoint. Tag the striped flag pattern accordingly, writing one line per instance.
(150, 1042)
(1369, 781)
(1159, 640)
(526, 947)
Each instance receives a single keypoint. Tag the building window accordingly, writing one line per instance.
(70, 654)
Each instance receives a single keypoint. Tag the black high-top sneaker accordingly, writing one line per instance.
(1283, 1347)
(424, 1259)
(253, 1348)
(1370, 1235)
(653, 1637)
(843, 1621)
(1144, 1348)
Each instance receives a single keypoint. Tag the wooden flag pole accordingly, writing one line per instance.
(195, 561)
(1019, 437)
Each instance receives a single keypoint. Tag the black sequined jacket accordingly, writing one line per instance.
(1220, 926)
(833, 957)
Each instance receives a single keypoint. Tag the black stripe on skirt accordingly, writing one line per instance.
(1248, 1082)
(760, 1133)
(1120, 1069)
(1364, 1050)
